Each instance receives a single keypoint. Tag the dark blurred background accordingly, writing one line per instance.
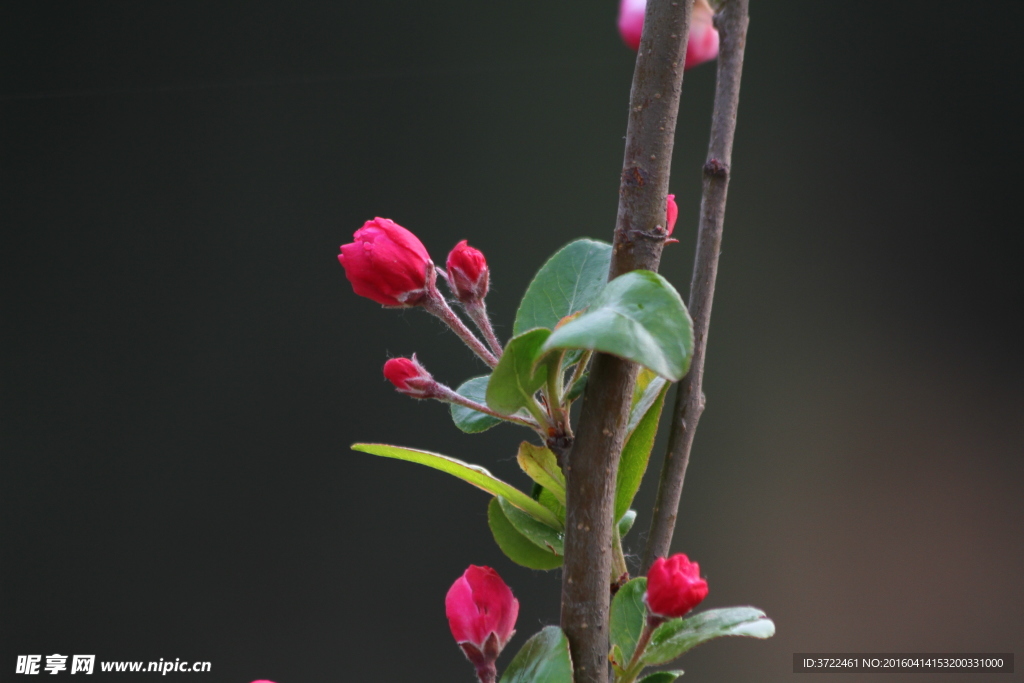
(184, 364)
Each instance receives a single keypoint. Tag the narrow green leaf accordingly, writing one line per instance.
(473, 474)
(638, 316)
(567, 283)
(538, 533)
(662, 676)
(544, 658)
(541, 465)
(548, 500)
(626, 523)
(517, 547)
(627, 617)
(518, 376)
(675, 637)
(576, 390)
(642, 429)
(469, 420)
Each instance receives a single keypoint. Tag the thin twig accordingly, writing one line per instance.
(732, 24)
(639, 238)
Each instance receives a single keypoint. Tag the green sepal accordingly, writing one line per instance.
(544, 658)
(515, 545)
(519, 374)
(675, 637)
(566, 284)
(473, 474)
(469, 420)
(638, 316)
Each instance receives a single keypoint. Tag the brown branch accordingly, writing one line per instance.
(639, 239)
(732, 24)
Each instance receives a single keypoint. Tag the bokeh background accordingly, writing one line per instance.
(184, 364)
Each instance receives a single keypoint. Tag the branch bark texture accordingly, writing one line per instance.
(732, 24)
(638, 242)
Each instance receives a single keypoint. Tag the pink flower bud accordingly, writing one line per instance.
(409, 377)
(703, 42)
(671, 213)
(481, 611)
(388, 264)
(468, 273)
(674, 586)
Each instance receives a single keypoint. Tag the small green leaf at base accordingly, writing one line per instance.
(675, 637)
(515, 545)
(662, 676)
(567, 283)
(638, 316)
(627, 616)
(540, 534)
(541, 465)
(469, 420)
(641, 432)
(626, 523)
(544, 658)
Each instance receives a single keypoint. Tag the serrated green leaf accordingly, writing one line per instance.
(469, 420)
(540, 534)
(662, 676)
(473, 474)
(518, 376)
(641, 432)
(626, 523)
(627, 616)
(541, 465)
(675, 637)
(515, 545)
(544, 658)
(638, 316)
(567, 283)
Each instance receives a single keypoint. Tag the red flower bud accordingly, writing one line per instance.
(409, 377)
(468, 274)
(671, 213)
(388, 264)
(674, 586)
(702, 45)
(480, 605)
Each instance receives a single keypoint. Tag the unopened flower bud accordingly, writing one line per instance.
(388, 264)
(410, 378)
(674, 586)
(482, 615)
(702, 45)
(671, 214)
(468, 274)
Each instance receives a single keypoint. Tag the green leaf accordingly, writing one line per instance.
(519, 548)
(617, 659)
(473, 474)
(638, 316)
(538, 533)
(662, 676)
(626, 523)
(567, 283)
(548, 500)
(469, 420)
(675, 637)
(544, 658)
(627, 616)
(641, 431)
(576, 390)
(541, 465)
(518, 376)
